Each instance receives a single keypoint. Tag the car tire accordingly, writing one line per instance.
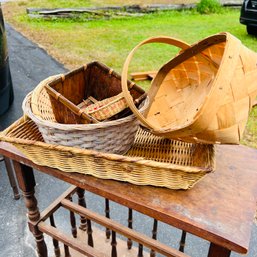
(251, 30)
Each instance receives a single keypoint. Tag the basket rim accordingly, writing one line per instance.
(206, 108)
(26, 106)
(107, 156)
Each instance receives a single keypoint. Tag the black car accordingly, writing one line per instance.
(6, 89)
(248, 16)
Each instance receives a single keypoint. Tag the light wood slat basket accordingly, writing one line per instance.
(115, 136)
(152, 160)
(204, 94)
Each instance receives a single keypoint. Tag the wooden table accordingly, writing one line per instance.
(220, 208)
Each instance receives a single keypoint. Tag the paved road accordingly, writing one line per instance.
(29, 65)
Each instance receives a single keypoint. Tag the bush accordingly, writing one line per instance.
(209, 6)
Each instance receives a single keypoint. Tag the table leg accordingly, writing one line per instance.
(26, 181)
(218, 251)
(11, 177)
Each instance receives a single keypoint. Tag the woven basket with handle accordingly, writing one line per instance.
(204, 94)
(115, 136)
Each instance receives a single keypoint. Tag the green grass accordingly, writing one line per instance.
(250, 135)
(74, 42)
(111, 40)
(83, 3)
(54, 3)
(209, 6)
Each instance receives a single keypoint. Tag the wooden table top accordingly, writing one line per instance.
(220, 208)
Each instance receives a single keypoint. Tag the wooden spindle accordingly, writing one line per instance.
(67, 251)
(82, 202)
(114, 244)
(182, 241)
(57, 251)
(140, 250)
(11, 176)
(73, 221)
(27, 183)
(154, 236)
(90, 241)
(85, 224)
(107, 215)
(130, 225)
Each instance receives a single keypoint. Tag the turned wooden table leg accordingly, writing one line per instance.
(11, 177)
(218, 251)
(26, 181)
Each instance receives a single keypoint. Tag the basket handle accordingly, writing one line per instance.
(166, 40)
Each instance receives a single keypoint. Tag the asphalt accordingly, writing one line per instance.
(29, 65)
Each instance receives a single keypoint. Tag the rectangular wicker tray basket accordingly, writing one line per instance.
(152, 160)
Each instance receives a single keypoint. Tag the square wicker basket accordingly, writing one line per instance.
(152, 160)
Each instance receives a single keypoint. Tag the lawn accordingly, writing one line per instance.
(76, 41)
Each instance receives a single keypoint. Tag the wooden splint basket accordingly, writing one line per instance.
(204, 94)
(152, 160)
(113, 136)
(70, 95)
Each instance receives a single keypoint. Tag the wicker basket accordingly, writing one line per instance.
(96, 80)
(152, 160)
(204, 94)
(105, 109)
(114, 136)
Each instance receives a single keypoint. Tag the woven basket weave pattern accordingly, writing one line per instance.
(101, 139)
(151, 160)
(106, 108)
(204, 94)
(114, 136)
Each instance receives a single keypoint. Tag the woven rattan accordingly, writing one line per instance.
(152, 160)
(204, 94)
(107, 108)
(114, 136)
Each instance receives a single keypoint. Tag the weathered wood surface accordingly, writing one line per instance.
(216, 209)
(125, 8)
(110, 11)
(103, 12)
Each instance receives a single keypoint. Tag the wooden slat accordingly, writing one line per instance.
(56, 203)
(114, 226)
(69, 241)
(139, 76)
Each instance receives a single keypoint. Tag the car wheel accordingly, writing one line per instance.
(251, 30)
